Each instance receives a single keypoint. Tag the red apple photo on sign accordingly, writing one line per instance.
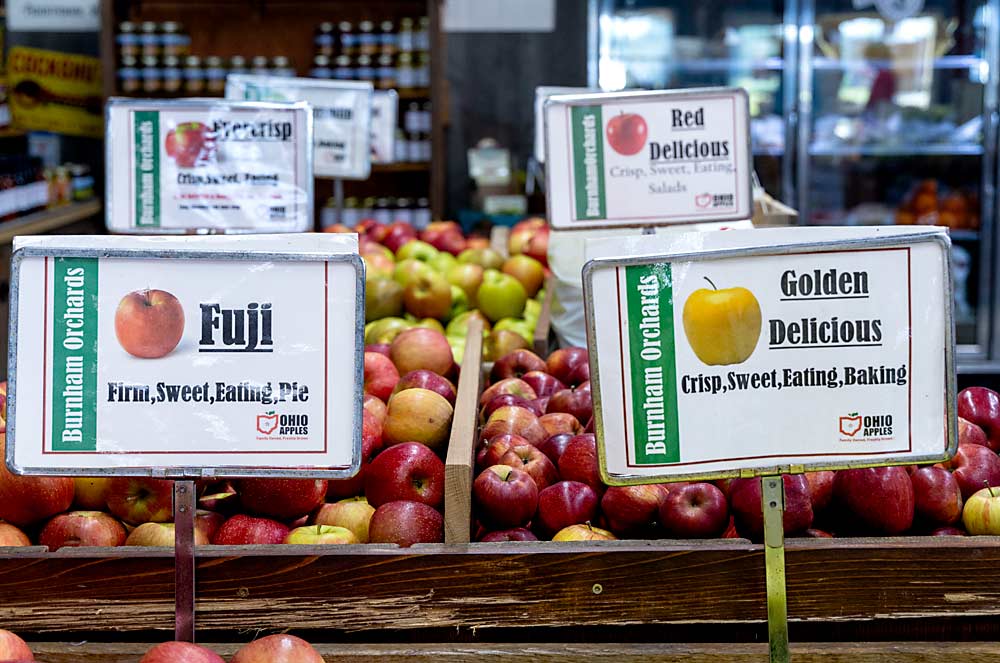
(626, 133)
(149, 323)
(189, 144)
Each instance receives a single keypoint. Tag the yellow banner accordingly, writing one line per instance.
(59, 92)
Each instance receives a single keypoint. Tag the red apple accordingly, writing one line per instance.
(82, 528)
(381, 375)
(508, 535)
(975, 466)
(970, 433)
(564, 362)
(149, 323)
(139, 500)
(523, 231)
(937, 497)
(584, 532)
(745, 503)
(159, 534)
(468, 277)
(283, 499)
(91, 493)
(565, 503)
(543, 383)
(418, 415)
(631, 509)
(408, 471)
(12, 537)
(877, 499)
(516, 420)
(280, 648)
(695, 511)
(424, 379)
(208, 522)
(503, 400)
(505, 497)
(981, 406)
(405, 523)
(516, 364)
(626, 133)
(554, 446)
(537, 465)
(376, 407)
(380, 348)
(371, 436)
(421, 347)
(13, 648)
(354, 513)
(515, 386)
(242, 530)
(502, 342)
(947, 531)
(180, 652)
(217, 496)
(574, 401)
(579, 462)
(813, 533)
(491, 451)
(527, 270)
(444, 236)
(397, 234)
(428, 296)
(342, 488)
(539, 406)
(28, 500)
(820, 488)
(560, 422)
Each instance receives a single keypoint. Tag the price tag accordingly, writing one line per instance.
(648, 158)
(187, 357)
(341, 117)
(385, 107)
(542, 94)
(53, 16)
(192, 165)
(772, 351)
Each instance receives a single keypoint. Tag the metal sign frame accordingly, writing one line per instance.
(639, 95)
(777, 250)
(187, 472)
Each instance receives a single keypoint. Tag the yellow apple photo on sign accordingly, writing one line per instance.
(722, 326)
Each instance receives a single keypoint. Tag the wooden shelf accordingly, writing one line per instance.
(48, 220)
(402, 167)
(414, 93)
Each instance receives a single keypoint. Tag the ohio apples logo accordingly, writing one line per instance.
(851, 424)
(149, 323)
(722, 326)
(703, 200)
(626, 133)
(267, 423)
(190, 144)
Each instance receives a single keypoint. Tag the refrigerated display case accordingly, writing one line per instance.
(864, 112)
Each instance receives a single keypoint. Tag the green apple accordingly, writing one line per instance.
(430, 323)
(377, 266)
(467, 276)
(500, 296)
(532, 310)
(384, 330)
(521, 326)
(442, 262)
(417, 250)
(502, 342)
(488, 258)
(383, 299)
(459, 302)
(410, 269)
(372, 248)
(457, 344)
(428, 296)
(459, 325)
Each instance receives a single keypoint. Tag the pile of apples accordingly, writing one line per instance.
(538, 478)
(281, 648)
(437, 278)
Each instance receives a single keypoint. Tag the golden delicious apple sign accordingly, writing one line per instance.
(722, 326)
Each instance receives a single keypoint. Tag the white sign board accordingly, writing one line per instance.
(385, 107)
(797, 350)
(542, 94)
(648, 158)
(341, 117)
(499, 16)
(192, 356)
(186, 165)
(53, 16)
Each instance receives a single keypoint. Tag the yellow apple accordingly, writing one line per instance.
(722, 326)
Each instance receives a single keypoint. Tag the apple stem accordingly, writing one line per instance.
(989, 488)
(710, 282)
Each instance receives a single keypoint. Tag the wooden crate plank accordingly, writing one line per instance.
(541, 341)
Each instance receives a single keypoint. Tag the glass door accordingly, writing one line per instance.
(663, 44)
(897, 103)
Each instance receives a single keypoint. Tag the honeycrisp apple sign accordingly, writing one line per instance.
(648, 158)
(770, 351)
(186, 357)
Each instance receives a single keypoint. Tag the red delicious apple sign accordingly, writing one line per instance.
(626, 133)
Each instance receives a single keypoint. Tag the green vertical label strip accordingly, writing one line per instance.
(588, 162)
(147, 168)
(74, 355)
(653, 365)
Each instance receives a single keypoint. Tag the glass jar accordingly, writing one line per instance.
(215, 75)
(282, 66)
(173, 77)
(422, 75)
(386, 72)
(405, 36)
(367, 210)
(343, 69)
(426, 117)
(348, 38)
(414, 149)
(127, 40)
(363, 69)
(194, 76)
(152, 75)
(368, 41)
(403, 210)
(422, 216)
(402, 147)
(321, 67)
(422, 35)
(350, 215)
(328, 215)
(82, 182)
(174, 41)
(238, 65)
(324, 40)
(129, 76)
(412, 118)
(405, 73)
(258, 65)
(388, 40)
(383, 210)
(149, 40)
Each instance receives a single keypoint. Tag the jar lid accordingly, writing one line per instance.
(345, 26)
(150, 61)
(129, 61)
(366, 26)
(321, 61)
(148, 26)
(259, 61)
(326, 26)
(171, 61)
(170, 26)
(387, 26)
(280, 61)
(213, 61)
(237, 62)
(192, 61)
(126, 26)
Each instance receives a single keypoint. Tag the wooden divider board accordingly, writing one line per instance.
(462, 442)
(541, 341)
(499, 235)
